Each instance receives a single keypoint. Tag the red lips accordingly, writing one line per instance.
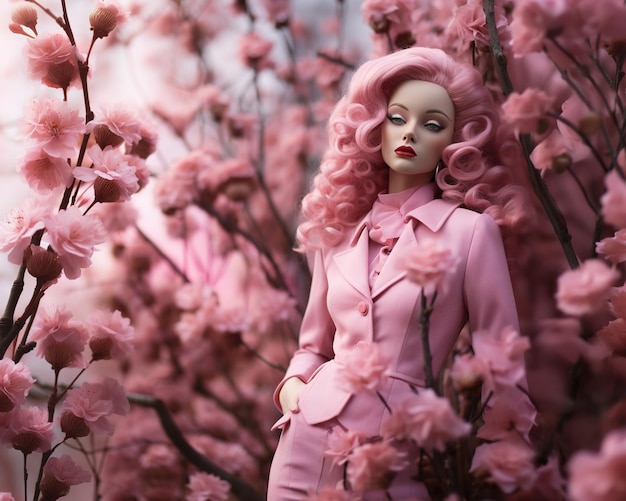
(405, 151)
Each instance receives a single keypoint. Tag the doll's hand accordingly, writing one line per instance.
(289, 393)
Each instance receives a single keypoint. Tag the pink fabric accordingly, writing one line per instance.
(387, 220)
(344, 310)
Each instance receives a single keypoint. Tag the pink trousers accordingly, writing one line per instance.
(299, 469)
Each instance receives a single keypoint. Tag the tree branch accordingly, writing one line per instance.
(241, 489)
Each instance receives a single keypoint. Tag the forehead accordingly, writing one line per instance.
(419, 93)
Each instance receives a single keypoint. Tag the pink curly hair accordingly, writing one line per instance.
(352, 172)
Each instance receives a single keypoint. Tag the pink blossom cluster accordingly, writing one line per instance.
(214, 304)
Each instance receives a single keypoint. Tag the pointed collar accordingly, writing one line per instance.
(421, 206)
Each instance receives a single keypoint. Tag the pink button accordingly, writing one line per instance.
(363, 308)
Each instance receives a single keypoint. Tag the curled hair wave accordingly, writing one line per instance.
(352, 172)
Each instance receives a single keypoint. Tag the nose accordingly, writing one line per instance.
(409, 135)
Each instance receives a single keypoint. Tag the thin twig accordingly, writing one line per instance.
(539, 186)
(241, 489)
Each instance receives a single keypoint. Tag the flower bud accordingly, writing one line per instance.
(73, 426)
(380, 26)
(617, 49)
(42, 264)
(103, 22)
(61, 75)
(26, 442)
(237, 189)
(6, 403)
(100, 348)
(106, 190)
(25, 14)
(53, 489)
(561, 163)
(404, 40)
(105, 136)
(590, 123)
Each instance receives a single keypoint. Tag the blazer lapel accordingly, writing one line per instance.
(353, 263)
(432, 215)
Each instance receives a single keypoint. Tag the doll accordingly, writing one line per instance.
(409, 159)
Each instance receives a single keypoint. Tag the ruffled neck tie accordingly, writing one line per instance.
(387, 220)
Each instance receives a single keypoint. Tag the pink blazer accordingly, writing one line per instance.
(343, 311)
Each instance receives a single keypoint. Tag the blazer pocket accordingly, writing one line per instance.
(321, 398)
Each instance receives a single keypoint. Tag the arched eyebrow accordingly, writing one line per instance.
(426, 112)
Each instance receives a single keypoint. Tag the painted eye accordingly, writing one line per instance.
(396, 119)
(433, 126)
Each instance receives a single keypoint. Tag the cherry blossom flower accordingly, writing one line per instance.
(29, 430)
(19, 226)
(53, 126)
(385, 16)
(146, 146)
(110, 165)
(60, 339)
(549, 483)
(93, 403)
(617, 301)
(599, 476)
(52, 58)
(177, 188)
(216, 101)
(509, 413)
(206, 487)
(533, 20)
(613, 335)
(371, 465)
(430, 266)
(59, 474)
(432, 420)
(613, 248)
(120, 121)
(15, 382)
(341, 443)
(220, 174)
(469, 24)
(278, 11)
(557, 152)
(503, 354)
(6, 496)
(254, 51)
(328, 74)
(364, 368)
(73, 236)
(585, 289)
(116, 217)
(602, 17)
(468, 372)
(508, 463)
(110, 335)
(614, 199)
(527, 112)
(43, 172)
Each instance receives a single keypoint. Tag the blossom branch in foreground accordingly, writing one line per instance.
(540, 188)
(241, 489)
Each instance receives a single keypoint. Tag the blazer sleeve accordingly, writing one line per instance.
(487, 286)
(315, 345)
(490, 299)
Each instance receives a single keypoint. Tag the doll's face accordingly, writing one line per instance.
(419, 125)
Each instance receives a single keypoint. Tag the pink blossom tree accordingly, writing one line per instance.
(194, 189)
